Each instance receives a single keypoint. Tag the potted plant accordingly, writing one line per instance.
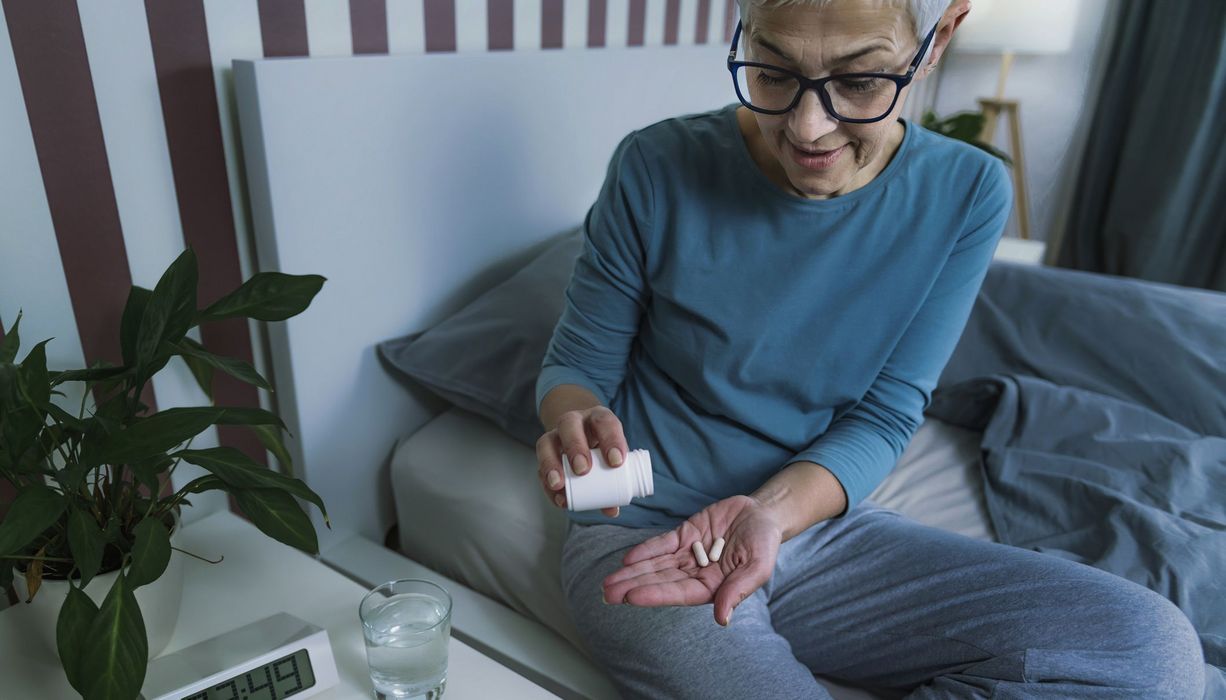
(963, 126)
(88, 497)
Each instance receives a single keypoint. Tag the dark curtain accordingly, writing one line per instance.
(1150, 199)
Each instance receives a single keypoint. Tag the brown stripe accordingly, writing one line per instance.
(440, 25)
(704, 21)
(368, 25)
(729, 19)
(672, 20)
(597, 11)
(283, 27)
(180, 42)
(49, 50)
(638, 14)
(500, 22)
(551, 24)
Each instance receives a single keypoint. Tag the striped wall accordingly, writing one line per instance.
(118, 146)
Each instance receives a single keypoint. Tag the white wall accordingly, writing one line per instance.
(1057, 94)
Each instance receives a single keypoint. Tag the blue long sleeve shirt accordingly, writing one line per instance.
(735, 328)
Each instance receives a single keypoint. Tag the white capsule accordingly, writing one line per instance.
(717, 548)
(700, 554)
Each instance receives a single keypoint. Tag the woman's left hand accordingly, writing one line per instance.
(663, 571)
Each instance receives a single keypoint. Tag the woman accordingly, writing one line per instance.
(766, 297)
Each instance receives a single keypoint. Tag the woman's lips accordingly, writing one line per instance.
(819, 161)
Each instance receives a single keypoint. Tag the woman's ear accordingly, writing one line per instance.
(954, 14)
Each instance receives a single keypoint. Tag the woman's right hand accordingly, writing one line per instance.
(577, 433)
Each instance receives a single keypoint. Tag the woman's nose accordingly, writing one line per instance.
(809, 119)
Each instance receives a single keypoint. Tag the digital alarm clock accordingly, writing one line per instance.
(277, 657)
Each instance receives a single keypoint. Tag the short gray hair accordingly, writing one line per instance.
(924, 13)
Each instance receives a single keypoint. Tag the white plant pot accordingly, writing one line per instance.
(158, 601)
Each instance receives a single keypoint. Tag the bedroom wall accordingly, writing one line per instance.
(118, 139)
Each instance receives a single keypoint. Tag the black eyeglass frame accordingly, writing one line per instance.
(819, 84)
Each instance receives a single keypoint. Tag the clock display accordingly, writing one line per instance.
(288, 675)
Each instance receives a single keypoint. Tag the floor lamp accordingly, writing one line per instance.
(1006, 28)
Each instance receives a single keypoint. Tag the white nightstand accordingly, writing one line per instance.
(260, 576)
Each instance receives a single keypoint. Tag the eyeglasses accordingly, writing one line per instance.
(859, 98)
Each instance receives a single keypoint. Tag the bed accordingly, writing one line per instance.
(432, 189)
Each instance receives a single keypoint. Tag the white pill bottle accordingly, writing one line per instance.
(604, 486)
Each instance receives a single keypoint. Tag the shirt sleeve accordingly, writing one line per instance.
(864, 444)
(607, 293)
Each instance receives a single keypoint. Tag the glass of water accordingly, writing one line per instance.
(407, 625)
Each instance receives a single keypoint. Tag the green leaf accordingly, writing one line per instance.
(150, 552)
(146, 471)
(201, 370)
(93, 374)
(86, 542)
(77, 615)
(241, 472)
(25, 395)
(267, 296)
(204, 483)
(964, 126)
(270, 437)
(278, 515)
(11, 342)
(168, 314)
(20, 421)
(66, 419)
(158, 433)
(36, 508)
(33, 379)
(249, 417)
(129, 325)
(191, 350)
(113, 662)
(8, 388)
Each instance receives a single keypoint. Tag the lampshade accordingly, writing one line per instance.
(1018, 26)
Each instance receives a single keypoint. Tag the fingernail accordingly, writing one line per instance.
(615, 457)
(554, 479)
(580, 464)
(559, 500)
(603, 599)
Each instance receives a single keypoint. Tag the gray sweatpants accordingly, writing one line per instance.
(879, 600)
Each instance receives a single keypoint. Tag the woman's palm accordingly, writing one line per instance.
(663, 570)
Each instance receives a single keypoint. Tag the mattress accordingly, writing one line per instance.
(470, 507)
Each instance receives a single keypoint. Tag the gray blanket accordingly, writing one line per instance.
(1106, 482)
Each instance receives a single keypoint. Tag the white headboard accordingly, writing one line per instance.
(413, 183)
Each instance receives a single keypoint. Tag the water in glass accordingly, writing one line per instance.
(406, 645)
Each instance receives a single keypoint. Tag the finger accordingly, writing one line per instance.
(616, 592)
(663, 543)
(611, 512)
(644, 567)
(574, 442)
(689, 591)
(737, 586)
(610, 436)
(549, 463)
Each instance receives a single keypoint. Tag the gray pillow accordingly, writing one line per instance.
(1159, 345)
(486, 357)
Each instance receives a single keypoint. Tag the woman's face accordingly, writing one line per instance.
(842, 37)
